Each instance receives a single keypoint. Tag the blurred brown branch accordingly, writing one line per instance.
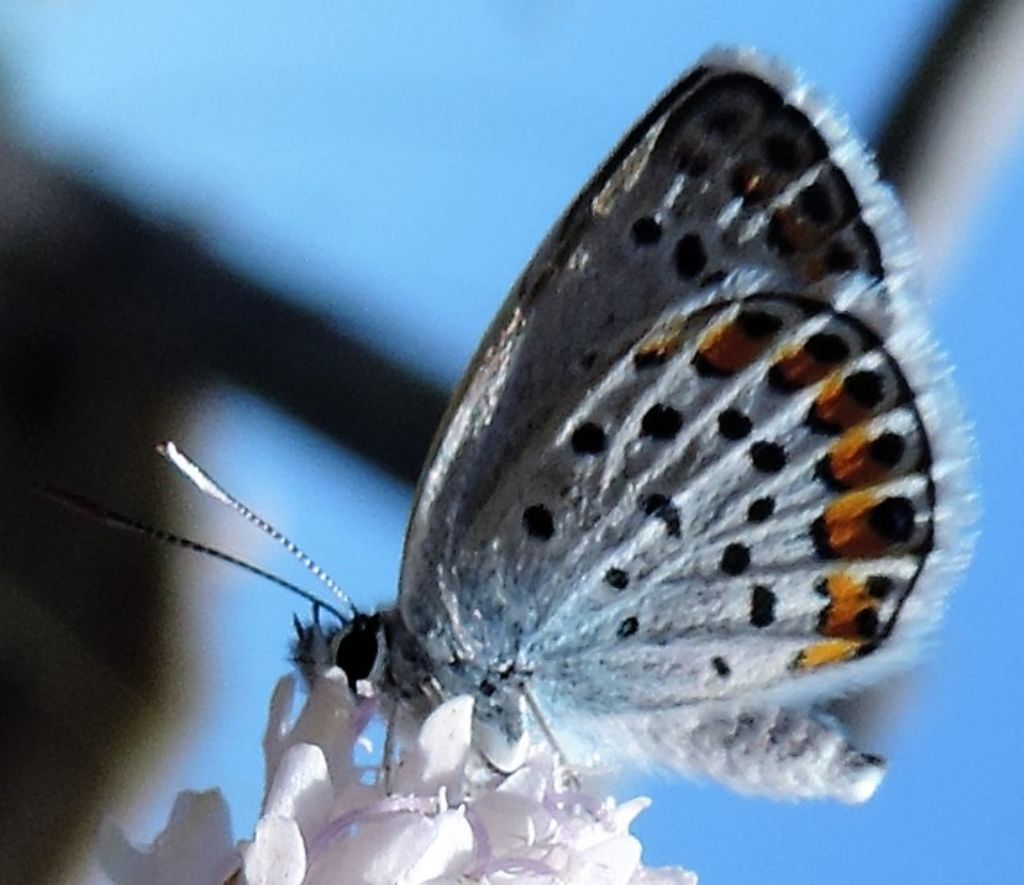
(954, 124)
(109, 325)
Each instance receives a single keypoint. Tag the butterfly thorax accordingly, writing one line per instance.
(416, 680)
(380, 649)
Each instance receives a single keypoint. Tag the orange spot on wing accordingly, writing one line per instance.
(832, 651)
(799, 368)
(848, 529)
(727, 350)
(659, 348)
(850, 461)
(849, 603)
(751, 184)
(835, 407)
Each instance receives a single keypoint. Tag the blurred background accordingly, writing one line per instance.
(275, 232)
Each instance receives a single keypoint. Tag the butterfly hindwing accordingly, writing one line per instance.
(725, 508)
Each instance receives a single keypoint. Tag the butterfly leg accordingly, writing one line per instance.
(538, 716)
(389, 760)
(570, 779)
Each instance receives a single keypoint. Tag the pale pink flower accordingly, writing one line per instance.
(444, 819)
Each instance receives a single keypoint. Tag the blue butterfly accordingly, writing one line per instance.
(706, 473)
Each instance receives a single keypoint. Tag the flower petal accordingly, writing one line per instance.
(329, 719)
(611, 862)
(438, 757)
(276, 855)
(445, 818)
(301, 788)
(663, 876)
(195, 846)
(405, 848)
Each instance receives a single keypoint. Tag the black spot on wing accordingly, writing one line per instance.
(646, 231)
(733, 424)
(768, 457)
(662, 508)
(661, 422)
(762, 606)
(760, 509)
(628, 627)
(588, 439)
(617, 578)
(893, 519)
(538, 522)
(735, 559)
(690, 256)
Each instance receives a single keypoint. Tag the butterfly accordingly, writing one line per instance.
(706, 473)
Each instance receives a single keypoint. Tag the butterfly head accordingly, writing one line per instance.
(356, 646)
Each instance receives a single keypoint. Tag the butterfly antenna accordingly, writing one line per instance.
(208, 486)
(126, 523)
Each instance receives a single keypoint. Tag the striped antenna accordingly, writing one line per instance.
(208, 486)
(126, 523)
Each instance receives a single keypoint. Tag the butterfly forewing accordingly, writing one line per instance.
(693, 462)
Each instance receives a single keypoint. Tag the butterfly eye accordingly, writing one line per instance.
(358, 647)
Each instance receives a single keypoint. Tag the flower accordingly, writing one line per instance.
(438, 816)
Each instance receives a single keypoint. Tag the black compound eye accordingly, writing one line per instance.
(358, 648)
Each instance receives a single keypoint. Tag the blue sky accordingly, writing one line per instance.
(396, 165)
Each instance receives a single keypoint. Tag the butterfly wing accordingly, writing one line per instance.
(705, 469)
